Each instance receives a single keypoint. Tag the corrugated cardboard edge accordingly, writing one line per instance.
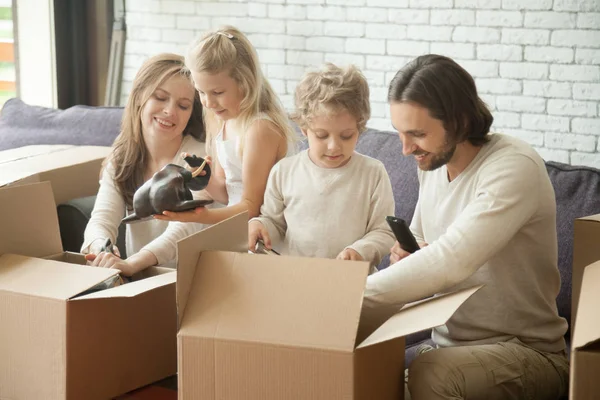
(228, 235)
(587, 329)
(420, 316)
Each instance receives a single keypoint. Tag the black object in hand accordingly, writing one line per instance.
(403, 234)
(169, 190)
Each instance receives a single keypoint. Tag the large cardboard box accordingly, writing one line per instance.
(585, 347)
(275, 327)
(55, 344)
(586, 250)
(73, 171)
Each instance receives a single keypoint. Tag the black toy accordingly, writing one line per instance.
(170, 190)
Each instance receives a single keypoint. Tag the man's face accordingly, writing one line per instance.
(422, 135)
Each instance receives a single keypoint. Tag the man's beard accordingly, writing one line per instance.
(440, 159)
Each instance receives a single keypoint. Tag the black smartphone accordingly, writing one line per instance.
(403, 234)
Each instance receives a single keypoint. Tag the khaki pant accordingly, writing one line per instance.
(503, 371)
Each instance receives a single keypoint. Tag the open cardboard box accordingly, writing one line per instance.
(73, 171)
(276, 327)
(56, 345)
(585, 347)
(586, 250)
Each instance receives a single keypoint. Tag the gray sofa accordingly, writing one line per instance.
(577, 188)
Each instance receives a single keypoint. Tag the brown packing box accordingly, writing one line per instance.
(275, 327)
(585, 347)
(74, 171)
(54, 345)
(586, 250)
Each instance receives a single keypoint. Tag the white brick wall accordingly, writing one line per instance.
(536, 62)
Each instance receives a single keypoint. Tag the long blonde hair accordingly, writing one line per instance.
(228, 49)
(130, 156)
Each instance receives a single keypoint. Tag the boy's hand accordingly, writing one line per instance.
(397, 253)
(349, 254)
(256, 231)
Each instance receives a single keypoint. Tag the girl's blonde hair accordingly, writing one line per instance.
(228, 49)
(130, 156)
(330, 90)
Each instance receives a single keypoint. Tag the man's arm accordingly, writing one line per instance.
(503, 204)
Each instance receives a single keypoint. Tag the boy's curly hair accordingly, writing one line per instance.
(331, 90)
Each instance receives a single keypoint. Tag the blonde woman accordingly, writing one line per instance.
(328, 201)
(162, 119)
(246, 124)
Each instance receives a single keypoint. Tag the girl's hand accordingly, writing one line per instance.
(256, 232)
(349, 254)
(198, 215)
(192, 169)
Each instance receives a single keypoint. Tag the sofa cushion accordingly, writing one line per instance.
(22, 124)
(577, 191)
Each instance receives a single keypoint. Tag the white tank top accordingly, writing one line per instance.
(231, 162)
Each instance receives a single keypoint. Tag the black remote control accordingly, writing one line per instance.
(403, 234)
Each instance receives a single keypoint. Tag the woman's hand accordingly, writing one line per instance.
(112, 261)
(199, 215)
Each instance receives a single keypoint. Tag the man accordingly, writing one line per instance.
(487, 211)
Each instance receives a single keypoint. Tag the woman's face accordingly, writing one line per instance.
(167, 112)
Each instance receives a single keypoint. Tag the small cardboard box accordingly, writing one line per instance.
(586, 250)
(264, 327)
(73, 171)
(585, 347)
(55, 344)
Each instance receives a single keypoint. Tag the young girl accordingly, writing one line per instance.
(245, 122)
(162, 119)
(328, 201)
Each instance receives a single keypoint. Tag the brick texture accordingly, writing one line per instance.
(536, 63)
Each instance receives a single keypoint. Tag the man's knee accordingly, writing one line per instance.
(434, 372)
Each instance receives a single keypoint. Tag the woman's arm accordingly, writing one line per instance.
(108, 211)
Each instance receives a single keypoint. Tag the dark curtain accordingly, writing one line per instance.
(83, 31)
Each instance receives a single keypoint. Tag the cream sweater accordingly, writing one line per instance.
(318, 212)
(158, 237)
(494, 224)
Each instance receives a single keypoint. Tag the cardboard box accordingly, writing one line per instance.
(276, 327)
(585, 347)
(56, 345)
(73, 171)
(586, 250)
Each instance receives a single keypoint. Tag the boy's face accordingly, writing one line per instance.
(332, 139)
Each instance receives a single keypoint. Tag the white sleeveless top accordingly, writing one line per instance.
(231, 162)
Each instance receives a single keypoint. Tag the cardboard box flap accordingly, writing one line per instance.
(30, 151)
(39, 163)
(48, 278)
(587, 327)
(228, 235)
(419, 316)
(132, 289)
(29, 221)
(593, 218)
(280, 300)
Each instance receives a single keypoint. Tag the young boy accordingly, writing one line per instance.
(328, 201)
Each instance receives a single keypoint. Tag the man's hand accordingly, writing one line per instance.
(256, 232)
(397, 253)
(198, 214)
(349, 254)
